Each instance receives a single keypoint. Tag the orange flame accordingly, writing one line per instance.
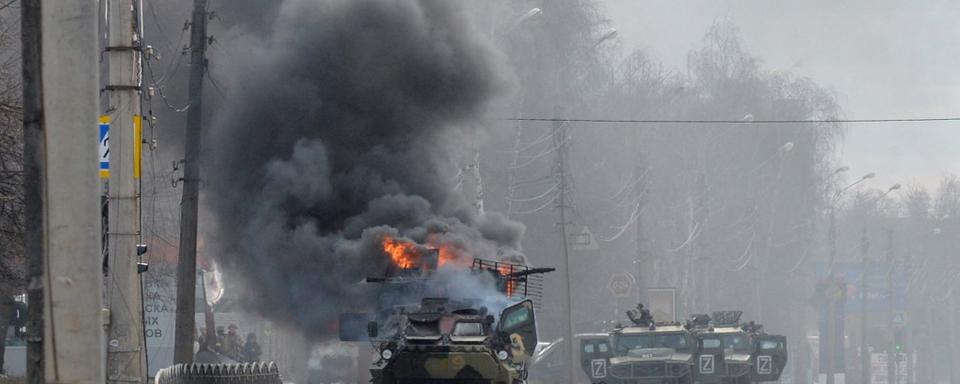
(506, 270)
(402, 253)
(450, 254)
(407, 254)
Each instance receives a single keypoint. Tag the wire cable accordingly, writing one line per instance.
(738, 122)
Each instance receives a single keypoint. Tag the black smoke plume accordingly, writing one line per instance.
(347, 129)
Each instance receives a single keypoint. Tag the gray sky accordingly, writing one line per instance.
(882, 58)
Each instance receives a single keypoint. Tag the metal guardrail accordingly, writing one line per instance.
(245, 373)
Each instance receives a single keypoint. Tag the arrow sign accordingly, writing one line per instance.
(104, 146)
(584, 241)
(899, 318)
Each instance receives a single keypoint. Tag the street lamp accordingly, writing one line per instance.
(831, 342)
(786, 147)
(865, 371)
(529, 15)
(844, 189)
(609, 34)
(833, 206)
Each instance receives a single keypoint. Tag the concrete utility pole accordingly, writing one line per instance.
(865, 372)
(34, 150)
(829, 337)
(892, 355)
(560, 142)
(187, 264)
(126, 357)
(641, 259)
(60, 81)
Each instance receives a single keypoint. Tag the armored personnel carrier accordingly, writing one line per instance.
(644, 352)
(730, 352)
(444, 341)
(421, 335)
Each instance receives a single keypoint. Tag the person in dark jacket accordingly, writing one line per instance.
(251, 349)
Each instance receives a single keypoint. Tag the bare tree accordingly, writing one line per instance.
(12, 262)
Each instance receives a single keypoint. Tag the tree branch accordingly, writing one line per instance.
(9, 3)
(9, 107)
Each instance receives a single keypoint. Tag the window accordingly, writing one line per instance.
(626, 343)
(710, 343)
(468, 329)
(421, 329)
(737, 342)
(603, 348)
(677, 341)
(769, 344)
(516, 318)
(588, 348)
(671, 340)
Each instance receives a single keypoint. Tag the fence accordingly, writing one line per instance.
(246, 373)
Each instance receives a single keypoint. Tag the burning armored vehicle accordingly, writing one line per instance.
(422, 333)
(448, 341)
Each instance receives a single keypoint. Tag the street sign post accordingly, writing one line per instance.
(104, 147)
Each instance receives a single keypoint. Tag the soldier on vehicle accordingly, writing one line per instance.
(251, 349)
(232, 343)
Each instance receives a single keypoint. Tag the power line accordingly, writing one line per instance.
(744, 122)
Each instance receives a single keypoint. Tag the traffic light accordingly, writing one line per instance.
(898, 339)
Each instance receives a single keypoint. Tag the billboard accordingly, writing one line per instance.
(878, 285)
(663, 303)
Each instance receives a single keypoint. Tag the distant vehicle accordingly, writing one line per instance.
(734, 353)
(644, 352)
(703, 350)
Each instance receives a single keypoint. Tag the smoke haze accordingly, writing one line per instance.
(344, 131)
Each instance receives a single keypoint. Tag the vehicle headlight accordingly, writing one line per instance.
(502, 355)
(386, 354)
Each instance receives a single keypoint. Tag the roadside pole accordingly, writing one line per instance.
(866, 374)
(61, 81)
(126, 357)
(33, 187)
(187, 262)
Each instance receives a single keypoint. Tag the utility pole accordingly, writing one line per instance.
(34, 151)
(828, 340)
(187, 263)
(892, 354)
(951, 329)
(865, 373)
(60, 96)
(642, 260)
(126, 357)
(560, 142)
